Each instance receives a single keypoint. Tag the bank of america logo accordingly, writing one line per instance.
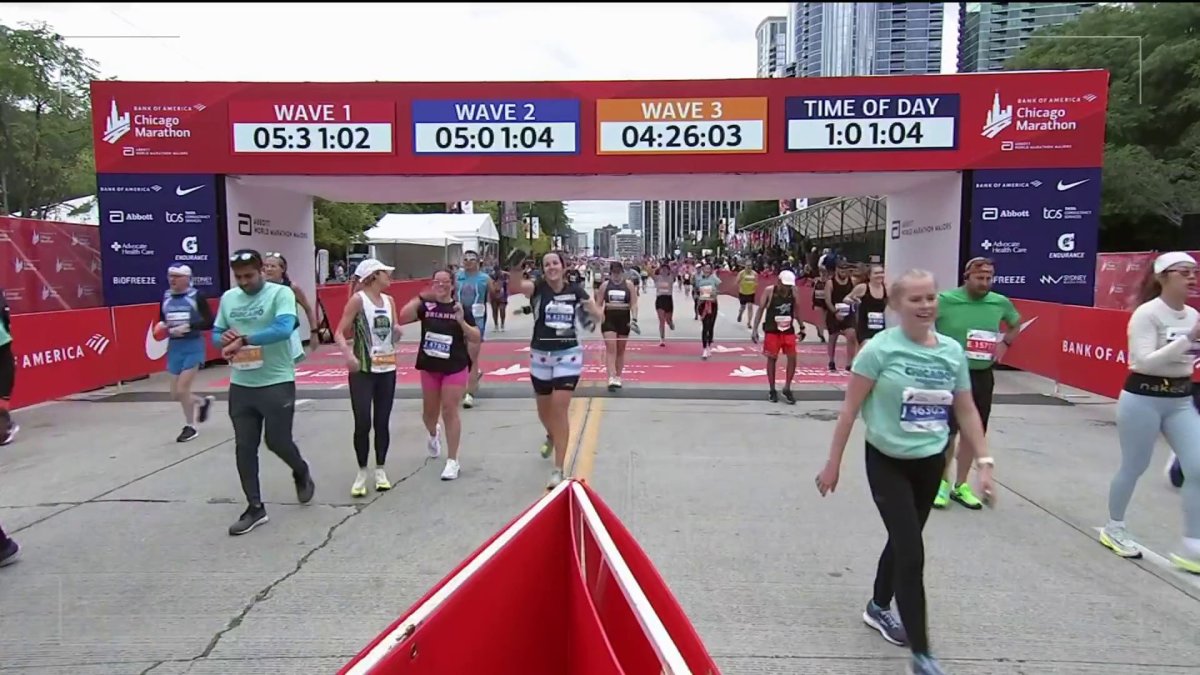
(1036, 183)
(998, 118)
(98, 343)
(1090, 97)
(117, 125)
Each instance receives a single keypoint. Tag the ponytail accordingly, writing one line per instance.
(1150, 287)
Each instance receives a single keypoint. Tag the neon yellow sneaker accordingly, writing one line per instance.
(547, 448)
(1189, 563)
(942, 500)
(965, 496)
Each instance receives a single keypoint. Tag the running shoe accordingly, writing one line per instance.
(942, 500)
(382, 484)
(556, 477)
(9, 553)
(965, 496)
(188, 433)
(203, 408)
(468, 401)
(612, 384)
(11, 436)
(1188, 561)
(704, 355)
(1117, 539)
(1174, 471)
(924, 664)
(305, 488)
(252, 518)
(787, 396)
(886, 622)
(547, 448)
(773, 397)
(451, 470)
(359, 489)
(435, 442)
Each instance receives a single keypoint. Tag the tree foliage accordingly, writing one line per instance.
(45, 120)
(753, 212)
(1152, 155)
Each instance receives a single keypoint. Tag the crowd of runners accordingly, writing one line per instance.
(921, 365)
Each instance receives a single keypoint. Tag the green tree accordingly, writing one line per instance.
(45, 120)
(753, 212)
(1152, 155)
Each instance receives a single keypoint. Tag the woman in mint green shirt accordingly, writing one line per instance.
(906, 381)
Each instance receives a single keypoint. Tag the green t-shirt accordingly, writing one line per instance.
(5, 336)
(908, 410)
(975, 323)
(259, 365)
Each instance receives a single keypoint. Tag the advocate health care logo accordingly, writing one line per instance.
(1033, 114)
(149, 123)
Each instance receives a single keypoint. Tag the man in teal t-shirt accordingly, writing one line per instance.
(253, 327)
(8, 374)
(985, 323)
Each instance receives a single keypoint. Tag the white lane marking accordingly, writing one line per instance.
(1163, 563)
(340, 386)
(303, 401)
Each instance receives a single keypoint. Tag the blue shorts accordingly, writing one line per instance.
(183, 355)
(481, 324)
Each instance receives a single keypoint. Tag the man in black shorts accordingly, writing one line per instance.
(837, 316)
(8, 374)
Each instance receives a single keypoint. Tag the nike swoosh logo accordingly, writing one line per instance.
(1026, 325)
(1063, 187)
(183, 193)
(155, 348)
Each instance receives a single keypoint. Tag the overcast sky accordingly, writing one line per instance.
(421, 42)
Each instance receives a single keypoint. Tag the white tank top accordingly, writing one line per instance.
(379, 321)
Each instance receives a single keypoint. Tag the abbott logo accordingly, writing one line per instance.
(991, 213)
(98, 343)
(245, 224)
(117, 125)
(190, 245)
(1066, 242)
(998, 118)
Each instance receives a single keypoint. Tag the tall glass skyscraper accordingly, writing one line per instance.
(990, 32)
(771, 36)
(829, 39)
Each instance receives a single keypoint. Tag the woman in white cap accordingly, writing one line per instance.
(782, 314)
(1164, 333)
(372, 364)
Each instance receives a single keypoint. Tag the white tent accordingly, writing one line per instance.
(414, 244)
(472, 230)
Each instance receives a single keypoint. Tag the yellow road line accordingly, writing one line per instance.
(589, 441)
(576, 417)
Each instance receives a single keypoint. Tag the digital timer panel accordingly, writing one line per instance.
(325, 127)
(885, 122)
(681, 126)
(546, 126)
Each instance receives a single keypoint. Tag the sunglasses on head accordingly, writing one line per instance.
(273, 254)
(244, 256)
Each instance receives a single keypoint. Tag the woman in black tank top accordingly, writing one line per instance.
(837, 319)
(872, 299)
(617, 298)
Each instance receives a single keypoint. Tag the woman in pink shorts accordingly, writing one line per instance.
(443, 362)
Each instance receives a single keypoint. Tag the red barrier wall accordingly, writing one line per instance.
(49, 267)
(1119, 278)
(62, 353)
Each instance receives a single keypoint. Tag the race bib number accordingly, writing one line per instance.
(249, 357)
(664, 288)
(383, 359)
(436, 345)
(179, 319)
(560, 316)
(842, 310)
(707, 292)
(981, 345)
(783, 323)
(925, 411)
(1174, 333)
(479, 311)
(819, 294)
(874, 320)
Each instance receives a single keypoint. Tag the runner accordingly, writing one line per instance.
(820, 281)
(871, 300)
(275, 268)
(499, 297)
(906, 382)
(747, 281)
(619, 302)
(254, 322)
(555, 355)
(9, 551)
(664, 302)
(184, 315)
(972, 315)
(474, 287)
(708, 286)
(837, 316)
(444, 360)
(1164, 332)
(371, 313)
(8, 374)
(781, 309)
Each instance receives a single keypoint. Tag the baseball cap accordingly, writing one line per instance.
(787, 278)
(1167, 260)
(179, 271)
(370, 266)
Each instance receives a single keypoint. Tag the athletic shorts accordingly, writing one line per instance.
(435, 381)
(835, 325)
(982, 384)
(616, 322)
(746, 298)
(183, 355)
(665, 303)
(557, 370)
(774, 343)
(481, 324)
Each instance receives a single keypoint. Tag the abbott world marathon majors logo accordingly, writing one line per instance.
(249, 225)
(909, 228)
(1033, 114)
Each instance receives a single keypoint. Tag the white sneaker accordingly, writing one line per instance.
(556, 477)
(359, 489)
(382, 484)
(617, 382)
(705, 354)
(435, 442)
(451, 470)
(612, 382)
(468, 401)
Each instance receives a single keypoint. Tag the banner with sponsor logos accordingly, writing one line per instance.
(1042, 229)
(150, 222)
(923, 228)
(614, 129)
(62, 353)
(1119, 278)
(47, 266)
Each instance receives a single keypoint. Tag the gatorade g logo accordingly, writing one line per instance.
(1066, 242)
(190, 245)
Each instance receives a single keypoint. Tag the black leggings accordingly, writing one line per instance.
(708, 324)
(372, 392)
(8, 374)
(904, 490)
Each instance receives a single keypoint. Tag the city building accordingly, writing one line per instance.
(990, 32)
(670, 225)
(635, 216)
(832, 39)
(602, 240)
(772, 47)
(627, 244)
(580, 243)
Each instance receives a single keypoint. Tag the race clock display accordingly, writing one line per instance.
(322, 127)
(681, 126)
(470, 127)
(885, 122)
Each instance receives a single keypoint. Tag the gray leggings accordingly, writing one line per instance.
(1140, 419)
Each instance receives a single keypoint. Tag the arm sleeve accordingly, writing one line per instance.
(285, 320)
(868, 363)
(1143, 338)
(220, 325)
(205, 311)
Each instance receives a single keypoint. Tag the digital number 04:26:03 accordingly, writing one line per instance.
(690, 136)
